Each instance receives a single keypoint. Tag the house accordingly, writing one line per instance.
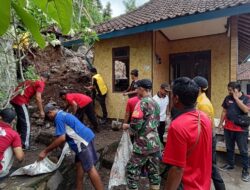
(244, 77)
(166, 39)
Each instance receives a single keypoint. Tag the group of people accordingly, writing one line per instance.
(188, 152)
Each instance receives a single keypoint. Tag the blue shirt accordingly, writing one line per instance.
(76, 132)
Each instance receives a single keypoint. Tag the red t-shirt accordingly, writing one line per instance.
(80, 99)
(30, 89)
(131, 103)
(8, 137)
(182, 137)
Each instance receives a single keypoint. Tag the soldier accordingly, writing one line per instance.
(147, 145)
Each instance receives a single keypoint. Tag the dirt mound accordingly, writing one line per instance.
(69, 70)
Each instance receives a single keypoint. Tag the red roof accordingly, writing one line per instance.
(158, 10)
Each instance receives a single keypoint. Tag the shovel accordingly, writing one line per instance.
(116, 124)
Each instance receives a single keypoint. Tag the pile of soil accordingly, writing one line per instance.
(68, 69)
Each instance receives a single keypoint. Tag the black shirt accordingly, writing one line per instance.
(232, 108)
(131, 88)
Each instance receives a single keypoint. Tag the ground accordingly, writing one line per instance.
(68, 72)
(103, 139)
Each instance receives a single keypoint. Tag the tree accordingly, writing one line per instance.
(107, 12)
(129, 5)
(60, 11)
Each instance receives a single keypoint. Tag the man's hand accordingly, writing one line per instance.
(42, 114)
(125, 94)
(236, 94)
(220, 126)
(88, 87)
(125, 126)
(42, 155)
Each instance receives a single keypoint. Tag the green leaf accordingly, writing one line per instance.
(22, 3)
(60, 11)
(30, 23)
(64, 11)
(5, 16)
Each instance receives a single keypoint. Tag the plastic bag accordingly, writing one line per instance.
(7, 162)
(43, 166)
(123, 153)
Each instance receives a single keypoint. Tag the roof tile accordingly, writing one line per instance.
(157, 10)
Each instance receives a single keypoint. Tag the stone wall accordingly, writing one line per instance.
(7, 71)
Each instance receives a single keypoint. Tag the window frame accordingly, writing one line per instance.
(120, 58)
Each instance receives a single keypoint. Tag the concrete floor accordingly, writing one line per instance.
(232, 179)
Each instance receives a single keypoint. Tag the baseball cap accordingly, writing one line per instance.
(201, 82)
(8, 115)
(144, 83)
(166, 87)
(49, 107)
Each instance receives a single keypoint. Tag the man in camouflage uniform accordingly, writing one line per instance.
(147, 145)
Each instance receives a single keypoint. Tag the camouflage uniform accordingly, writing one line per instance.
(147, 145)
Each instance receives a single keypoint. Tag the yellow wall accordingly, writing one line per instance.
(140, 58)
(141, 48)
(160, 71)
(220, 59)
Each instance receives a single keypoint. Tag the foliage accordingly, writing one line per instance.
(129, 5)
(107, 12)
(86, 14)
(31, 73)
(59, 11)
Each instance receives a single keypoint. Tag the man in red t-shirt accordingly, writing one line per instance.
(10, 141)
(22, 95)
(234, 105)
(188, 150)
(80, 105)
(131, 103)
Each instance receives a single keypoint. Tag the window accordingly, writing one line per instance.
(120, 69)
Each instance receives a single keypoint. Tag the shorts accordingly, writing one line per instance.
(87, 156)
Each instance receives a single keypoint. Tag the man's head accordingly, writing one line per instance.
(185, 92)
(93, 70)
(50, 111)
(45, 76)
(134, 74)
(201, 82)
(7, 115)
(164, 89)
(233, 86)
(144, 87)
(62, 94)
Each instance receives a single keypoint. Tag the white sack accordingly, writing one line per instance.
(124, 150)
(43, 166)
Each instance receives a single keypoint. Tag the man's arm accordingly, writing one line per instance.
(130, 92)
(18, 151)
(242, 106)
(222, 118)
(57, 142)
(40, 104)
(174, 178)
(126, 117)
(74, 106)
